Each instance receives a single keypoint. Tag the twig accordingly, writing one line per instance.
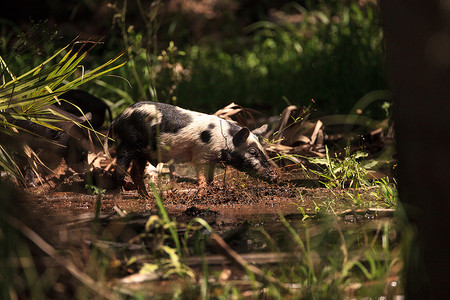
(119, 211)
(226, 250)
(67, 264)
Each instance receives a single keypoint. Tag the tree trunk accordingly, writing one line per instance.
(418, 52)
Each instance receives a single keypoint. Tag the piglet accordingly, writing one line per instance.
(159, 132)
(88, 103)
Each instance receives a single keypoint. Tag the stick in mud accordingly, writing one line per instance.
(226, 250)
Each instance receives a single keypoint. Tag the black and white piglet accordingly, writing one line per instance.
(158, 132)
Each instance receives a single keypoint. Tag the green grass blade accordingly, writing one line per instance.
(162, 210)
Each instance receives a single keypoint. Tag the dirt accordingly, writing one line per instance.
(232, 197)
(233, 204)
(245, 212)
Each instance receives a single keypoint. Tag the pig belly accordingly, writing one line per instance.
(179, 154)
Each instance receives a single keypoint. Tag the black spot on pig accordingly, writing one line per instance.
(153, 138)
(236, 160)
(205, 136)
(174, 119)
(240, 162)
(211, 126)
(179, 122)
(255, 151)
(141, 127)
(173, 126)
(233, 129)
(249, 161)
(225, 156)
(136, 128)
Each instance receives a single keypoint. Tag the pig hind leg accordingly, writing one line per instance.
(137, 174)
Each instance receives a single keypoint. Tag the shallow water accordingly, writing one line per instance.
(247, 214)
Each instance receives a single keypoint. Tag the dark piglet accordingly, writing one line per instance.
(158, 132)
(88, 103)
(71, 143)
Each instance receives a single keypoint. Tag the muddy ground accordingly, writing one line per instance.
(232, 197)
(245, 212)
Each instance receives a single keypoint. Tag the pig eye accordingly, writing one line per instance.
(253, 151)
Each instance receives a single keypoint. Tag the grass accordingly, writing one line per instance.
(329, 257)
(343, 172)
(334, 56)
(330, 263)
(27, 96)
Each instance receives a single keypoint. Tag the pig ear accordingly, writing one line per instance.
(241, 136)
(261, 130)
(87, 117)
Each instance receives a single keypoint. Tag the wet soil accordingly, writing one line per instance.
(233, 203)
(231, 198)
(245, 212)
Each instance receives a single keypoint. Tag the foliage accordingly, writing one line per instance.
(152, 72)
(340, 174)
(343, 172)
(17, 268)
(333, 55)
(331, 52)
(167, 248)
(387, 191)
(334, 251)
(29, 96)
(327, 261)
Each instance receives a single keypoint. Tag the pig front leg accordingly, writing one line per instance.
(127, 154)
(123, 161)
(205, 174)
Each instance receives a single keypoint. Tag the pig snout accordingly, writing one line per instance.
(259, 168)
(264, 172)
(270, 176)
(267, 175)
(248, 155)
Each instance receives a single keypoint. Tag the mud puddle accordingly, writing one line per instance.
(267, 225)
(231, 204)
(233, 197)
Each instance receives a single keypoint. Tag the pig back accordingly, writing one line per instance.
(180, 134)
